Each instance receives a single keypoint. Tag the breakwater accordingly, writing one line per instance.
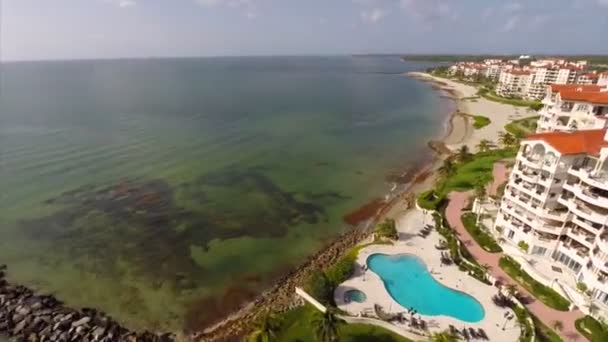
(27, 316)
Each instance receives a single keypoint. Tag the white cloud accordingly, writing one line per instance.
(374, 15)
(602, 3)
(512, 6)
(126, 3)
(511, 24)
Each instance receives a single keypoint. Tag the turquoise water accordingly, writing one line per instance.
(355, 296)
(411, 285)
(168, 191)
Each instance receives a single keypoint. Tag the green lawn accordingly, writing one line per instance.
(522, 127)
(492, 96)
(544, 333)
(479, 168)
(543, 293)
(593, 330)
(480, 121)
(296, 327)
(483, 238)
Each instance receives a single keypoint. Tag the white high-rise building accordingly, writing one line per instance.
(555, 205)
(513, 83)
(573, 107)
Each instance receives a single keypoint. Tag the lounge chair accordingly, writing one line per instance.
(473, 333)
(483, 334)
(453, 330)
(465, 334)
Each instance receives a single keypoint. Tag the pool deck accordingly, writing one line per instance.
(408, 226)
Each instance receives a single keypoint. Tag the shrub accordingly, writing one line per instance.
(480, 121)
(343, 269)
(429, 200)
(387, 229)
(483, 238)
(545, 294)
(319, 286)
(581, 286)
(593, 330)
(523, 246)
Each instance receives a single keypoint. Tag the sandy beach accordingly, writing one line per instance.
(462, 131)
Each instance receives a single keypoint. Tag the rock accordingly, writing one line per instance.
(81, 321)
(19, 327)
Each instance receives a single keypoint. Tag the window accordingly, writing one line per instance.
(511, 234)
(537, 250)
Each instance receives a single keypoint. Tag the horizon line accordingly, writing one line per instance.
(83, 59)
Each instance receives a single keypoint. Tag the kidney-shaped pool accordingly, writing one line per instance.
(410, 284)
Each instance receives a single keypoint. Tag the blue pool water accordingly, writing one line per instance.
(355, 296)
(410, 284)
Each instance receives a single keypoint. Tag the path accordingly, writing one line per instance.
(546, 314)
(499, 175)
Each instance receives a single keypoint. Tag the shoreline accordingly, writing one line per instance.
(419, 177)
(281, 297)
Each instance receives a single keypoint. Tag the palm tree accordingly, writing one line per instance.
(326, 325)
(445, 336)
(507, 139)
(463, 153)
(265, 329)
(447, 169)
(511, 289)
(484, 145)
(558, 325)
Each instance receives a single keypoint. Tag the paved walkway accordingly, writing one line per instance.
(499, 175)
(546, 314)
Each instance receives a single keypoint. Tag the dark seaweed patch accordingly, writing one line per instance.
(150, 226)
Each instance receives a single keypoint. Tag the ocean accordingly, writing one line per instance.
(163, 190)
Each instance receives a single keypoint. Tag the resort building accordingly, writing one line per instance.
(513, 83)
(588, 78)
(602, 79)
(573, 107)
(555, 205)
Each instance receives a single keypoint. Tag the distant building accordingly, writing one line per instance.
(513, 83)
(603, 79)
(573, 107)
(588, 78)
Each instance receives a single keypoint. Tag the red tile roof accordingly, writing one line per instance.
(585, 96)
(575, 87)
(518, 72)
(587, 142)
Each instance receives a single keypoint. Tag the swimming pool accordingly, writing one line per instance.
(407, 280)
(355, 296)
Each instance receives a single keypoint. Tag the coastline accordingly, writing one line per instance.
(421, 177)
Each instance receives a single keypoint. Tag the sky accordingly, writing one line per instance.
(83, 29)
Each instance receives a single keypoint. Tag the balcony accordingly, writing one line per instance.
(549, 228)
(585, 225)
(583, 238)
(591, 197)
(530, 190)
(581, 209)
(534, 162)
(579, 253)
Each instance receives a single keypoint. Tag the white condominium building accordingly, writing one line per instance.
(603, 79)
(555, 205)
(588, 78)
(513, 83)
(573, 107)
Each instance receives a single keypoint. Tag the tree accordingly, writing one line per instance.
(325, 325)
(480, 189)
(558, 325)
(320, 287)
(445, 336)
(447, 169)
(484, 145)
(511, 289)
(507, 139)
(387, 229)
(265, 329)
(463, 153)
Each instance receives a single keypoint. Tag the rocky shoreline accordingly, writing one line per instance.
(27, 316)
(281, 297)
